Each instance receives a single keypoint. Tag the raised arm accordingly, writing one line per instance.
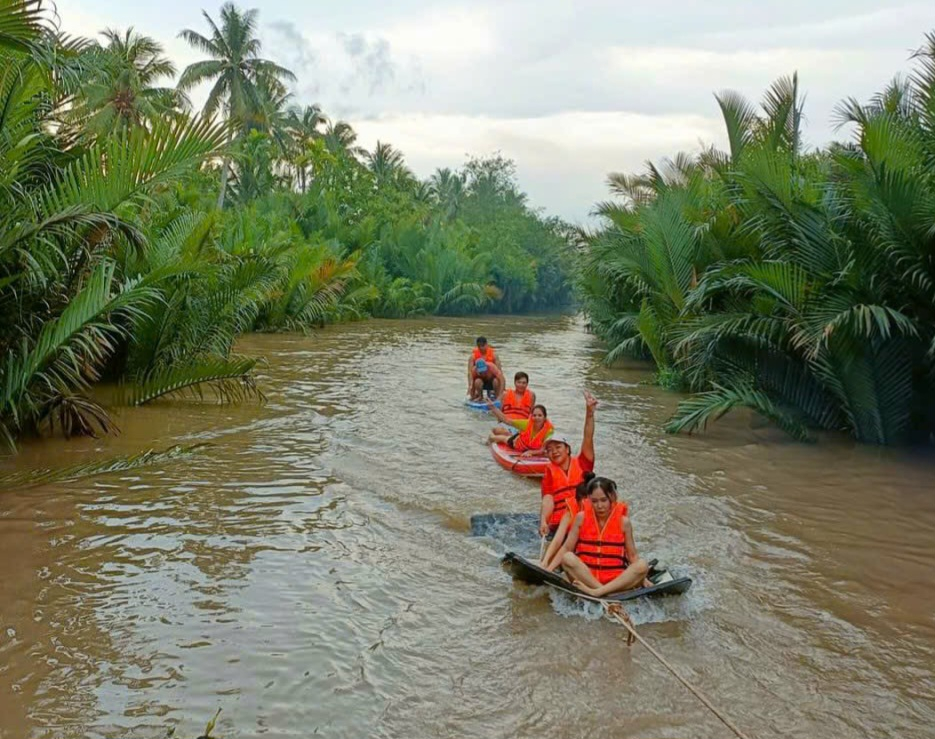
(587, 443)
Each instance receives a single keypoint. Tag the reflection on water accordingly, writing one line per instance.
(311, 573)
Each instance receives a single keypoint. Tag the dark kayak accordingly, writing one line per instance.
(519, 531)
(664, 582)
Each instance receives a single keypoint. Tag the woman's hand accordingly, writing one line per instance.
(544, 528)
(590, 402)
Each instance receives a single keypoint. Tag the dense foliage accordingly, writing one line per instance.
(797, 283)
(138, 239)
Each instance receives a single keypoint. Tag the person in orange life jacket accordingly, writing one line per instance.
(605, 559)
(518, 402)
(488, 381)
(552, 559)
(532, 433)
(565, 472)
(484, 373)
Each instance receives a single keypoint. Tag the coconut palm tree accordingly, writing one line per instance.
(124, 92)
(236, 68)
(448, 189)
(387, 164)
(304, 126)
(340, 136)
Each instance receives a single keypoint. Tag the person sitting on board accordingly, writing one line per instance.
(484, 373)
(565, 472)
(552, 559)
(519, 402)
(488, 381)
(605, 559)
(527, 436)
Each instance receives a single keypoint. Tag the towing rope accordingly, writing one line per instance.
(615, 611)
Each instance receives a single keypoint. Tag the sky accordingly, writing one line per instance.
(571, 91)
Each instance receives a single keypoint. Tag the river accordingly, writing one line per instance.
(312, 573)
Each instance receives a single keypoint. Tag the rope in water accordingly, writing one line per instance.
(615, 611)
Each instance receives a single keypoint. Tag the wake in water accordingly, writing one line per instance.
(516, 532)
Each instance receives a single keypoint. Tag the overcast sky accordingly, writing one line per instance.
(569, 90)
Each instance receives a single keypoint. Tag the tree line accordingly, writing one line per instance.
(139, 237)
(793, 281)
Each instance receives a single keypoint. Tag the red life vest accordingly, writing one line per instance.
(604, 551)
(525, 441)
(517, 406)
(561, 486)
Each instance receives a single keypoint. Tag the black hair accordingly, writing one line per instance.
(481, 340)
(544, 411)
(520, 376)
(606, 484)
(581, 492)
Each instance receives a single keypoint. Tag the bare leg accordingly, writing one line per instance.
(632, 577)
(499, 436)
(578, 573)
(478, 393)
(497, 388)
(556, 560)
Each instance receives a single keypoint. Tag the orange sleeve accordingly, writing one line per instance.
(586, 465)
(547, 481)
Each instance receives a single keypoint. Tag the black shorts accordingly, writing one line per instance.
(511, 441)
(488, 385)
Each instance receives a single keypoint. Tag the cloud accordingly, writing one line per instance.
(297, 52)
(349, 74)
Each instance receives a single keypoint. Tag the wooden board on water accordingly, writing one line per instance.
(526, 571)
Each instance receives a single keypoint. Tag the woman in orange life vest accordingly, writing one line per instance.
(484, 373)
(565, 472)
(605, 559)
(518, 402)
(533, 432)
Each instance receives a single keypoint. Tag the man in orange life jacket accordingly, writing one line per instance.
(565, 472)
(484, 373)
(519, 402)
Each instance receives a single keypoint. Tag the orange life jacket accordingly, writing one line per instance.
(561, 486)
(517, 406)
(604, 551)
(525, 441)
(488, 356)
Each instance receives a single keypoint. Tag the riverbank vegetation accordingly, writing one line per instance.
(796, 282)
(139, 237)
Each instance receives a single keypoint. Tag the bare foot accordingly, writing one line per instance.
(584, 588)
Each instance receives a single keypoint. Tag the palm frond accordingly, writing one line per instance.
(231, 380)
(697, 411)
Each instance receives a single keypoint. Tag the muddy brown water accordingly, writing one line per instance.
(312, 572)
